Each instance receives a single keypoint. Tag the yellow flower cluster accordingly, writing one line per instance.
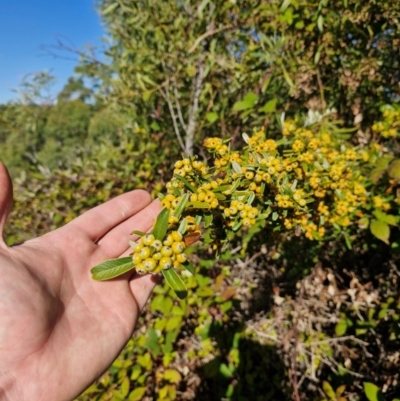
(390, 126)
(309, 180)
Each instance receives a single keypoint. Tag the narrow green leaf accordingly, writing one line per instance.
(237, 225)
(181, 205)
(186, 182)
(189, 267)
(208, 218)
(220, 196)
(111, 8)
(139, 233)
(236, 167)
(199, 205)
(233, 187)
(183, 226)
(328, 390)
(380, 230)
(251, 198)
(175, 282)
(221, 188)
(201, 7)
(320, 23)
(161, 226)
(112, 268)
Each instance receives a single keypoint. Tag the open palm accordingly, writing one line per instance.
(59, 329)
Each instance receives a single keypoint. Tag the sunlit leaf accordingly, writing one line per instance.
(175, 282)
(189, 267)
(380, 230)
(138, 233)
(172, 376)
(112, 268)
(372, 392)
(137, 394)
(181, 205)
(161, 226)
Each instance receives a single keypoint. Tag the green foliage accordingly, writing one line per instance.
(208, 68)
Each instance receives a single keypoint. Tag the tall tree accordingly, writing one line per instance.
(205, 67)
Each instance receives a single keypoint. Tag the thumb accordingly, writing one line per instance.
(6, 196)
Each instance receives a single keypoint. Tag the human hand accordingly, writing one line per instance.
(59, 329)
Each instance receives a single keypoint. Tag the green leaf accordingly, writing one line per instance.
(212, 117)
(380, 230)
(270, 106)
(108, 10)
(320, 23)
(208, 218)
(161, 226)
(124, 389)
(225, 371)
(221, 188)
(172, 376)
(199, 205)
(175, 282)
(376, 174)
(186, 182)
(137, 394)
(139, 233)
(248, 102)
(236, 167)
(183, 226)
(383, 162)
(173, 323)
(181, 205)
(201, 7)
(386, 218)
(328, 390)
(341, 327)
(372, 392)
(220, 196)
(189, 267)
(112, 268)
(394, 170)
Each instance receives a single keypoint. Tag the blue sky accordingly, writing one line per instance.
(27, 25)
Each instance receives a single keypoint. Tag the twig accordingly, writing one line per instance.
(178, 106)
(194, 109)
(165, 95)
(207, 34)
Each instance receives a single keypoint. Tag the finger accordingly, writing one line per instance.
(115, 242)
(100, 220)
(6, 196)
(141, 287)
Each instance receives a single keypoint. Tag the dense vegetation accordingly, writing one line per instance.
(296, 307)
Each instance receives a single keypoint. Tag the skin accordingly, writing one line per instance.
(59, 329)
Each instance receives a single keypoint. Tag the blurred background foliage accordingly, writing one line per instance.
(290, 319)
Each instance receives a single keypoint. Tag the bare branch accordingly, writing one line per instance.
(165, 95)
(178, 106)
(194, 109)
